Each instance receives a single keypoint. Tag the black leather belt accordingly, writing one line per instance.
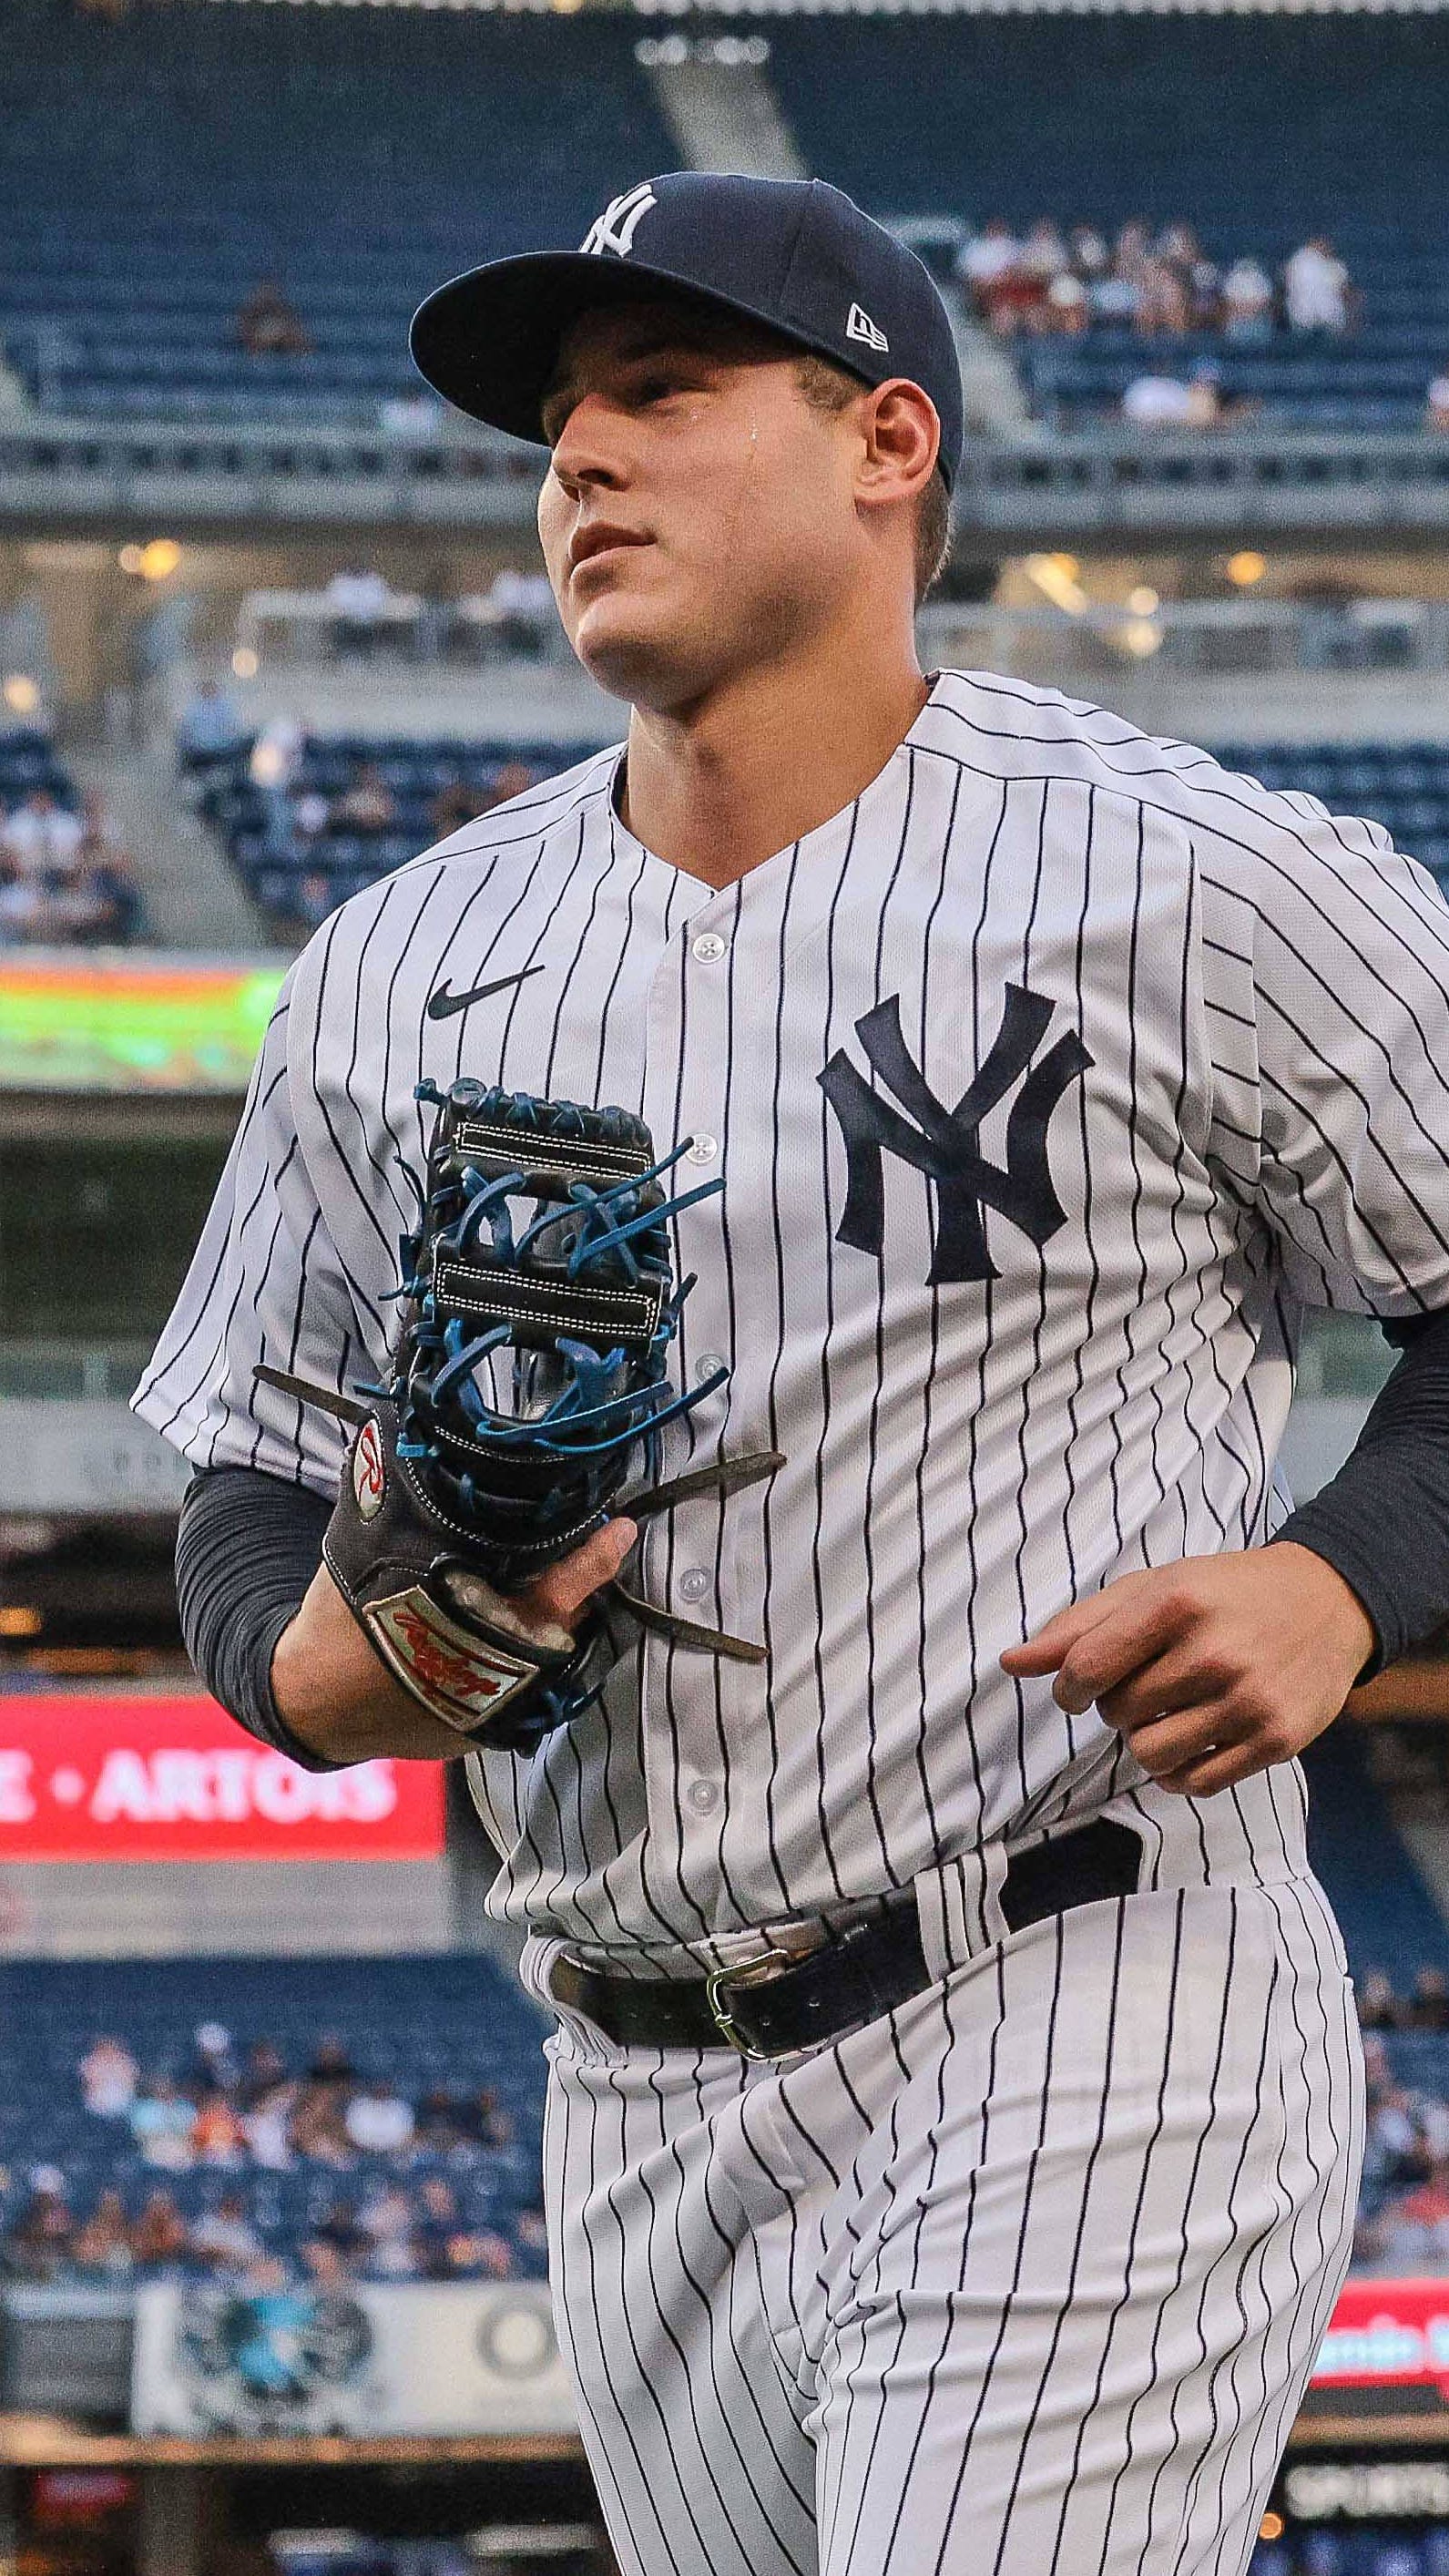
(774, 2006)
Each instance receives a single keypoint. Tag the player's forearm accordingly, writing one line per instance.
(335, 1696)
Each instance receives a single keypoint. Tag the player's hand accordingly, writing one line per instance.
(1213, 1668)
(339, 1698)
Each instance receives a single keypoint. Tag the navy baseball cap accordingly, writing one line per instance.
(795, 255)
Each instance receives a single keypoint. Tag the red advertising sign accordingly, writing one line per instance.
(175, 1779)
(1387, 2334)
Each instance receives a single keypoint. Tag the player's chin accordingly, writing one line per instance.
(637, 652)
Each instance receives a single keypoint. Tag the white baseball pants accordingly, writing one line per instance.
(1023, 2280)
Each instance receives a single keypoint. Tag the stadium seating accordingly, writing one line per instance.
(1403, 785)
(455, 2022)
(1390, 1922)
(1243, 124)
(277, 861)
(359, 166)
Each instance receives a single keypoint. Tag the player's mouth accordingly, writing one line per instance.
(598, 541)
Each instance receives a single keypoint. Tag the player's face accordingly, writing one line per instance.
(698, 517)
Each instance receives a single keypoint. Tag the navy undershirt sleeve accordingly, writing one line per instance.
(1383, 1522)
(247, 1547)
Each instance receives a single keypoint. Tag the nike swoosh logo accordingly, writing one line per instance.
(443, 1004)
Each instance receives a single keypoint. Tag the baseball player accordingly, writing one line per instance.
(954, 2109)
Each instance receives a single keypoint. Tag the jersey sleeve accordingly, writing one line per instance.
(264, 1284)
(1325, 959)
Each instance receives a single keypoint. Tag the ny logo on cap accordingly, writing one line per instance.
(859, 326)
(615, 228)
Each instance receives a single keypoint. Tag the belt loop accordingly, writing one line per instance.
(959, 1906)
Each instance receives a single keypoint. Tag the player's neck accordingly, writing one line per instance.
(719, 789)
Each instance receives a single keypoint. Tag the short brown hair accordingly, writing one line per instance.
(829, 388)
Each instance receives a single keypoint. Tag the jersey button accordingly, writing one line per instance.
(694, 1584)
(709, 1364)
(709, 947)
(703, 1796)
(703, 1149)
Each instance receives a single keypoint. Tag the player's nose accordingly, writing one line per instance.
(589, 452)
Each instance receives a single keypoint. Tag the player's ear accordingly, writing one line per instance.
(902, 443)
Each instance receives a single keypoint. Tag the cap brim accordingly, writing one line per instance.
(489, 341)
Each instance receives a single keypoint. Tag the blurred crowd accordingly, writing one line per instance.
(438, 2186)
(1158, 285)
(64, 878)
(1403, 2223)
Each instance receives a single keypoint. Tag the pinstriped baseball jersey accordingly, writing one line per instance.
(1049, 1082)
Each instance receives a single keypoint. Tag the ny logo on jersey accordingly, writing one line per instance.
(615, 228)
(944, 1143)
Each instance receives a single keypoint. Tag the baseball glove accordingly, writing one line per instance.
(529, 1373)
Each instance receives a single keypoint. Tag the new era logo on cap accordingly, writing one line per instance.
(615, 228)
(859, 326)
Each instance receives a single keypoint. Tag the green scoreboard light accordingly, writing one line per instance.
(132, 1021)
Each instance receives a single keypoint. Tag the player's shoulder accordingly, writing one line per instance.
(1011, 729)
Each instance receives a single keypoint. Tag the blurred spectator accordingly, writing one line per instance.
(368, 805)
(331, 2061)
(160, 2235)
(454, 805)
(439, 2125)
(1068, 303)
(108, 2076)
(266, 325)
(358, 600)
(325, 2268)
(96, 899)
(340, 2228)
(210, 734)
(276, 754)
(217, 2134)
(263, 2070)
(1436, 402)
(388, 2219)
(41, 833)
(378, 2120)
(216, 2062)
(317, 2125)
(531, 2229)
(224, 2238)
(1090, 257)
(1378, 2005)
(267, 2126)
(1318, 294)
(40, 2241)
(1428, 2004)
(1247, 301)
(987, 265)
(514, 778)
(161, 2119)
(102, 2246)
(1166, 402)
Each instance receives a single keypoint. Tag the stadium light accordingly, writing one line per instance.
(1246, 568)
(20, 693)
